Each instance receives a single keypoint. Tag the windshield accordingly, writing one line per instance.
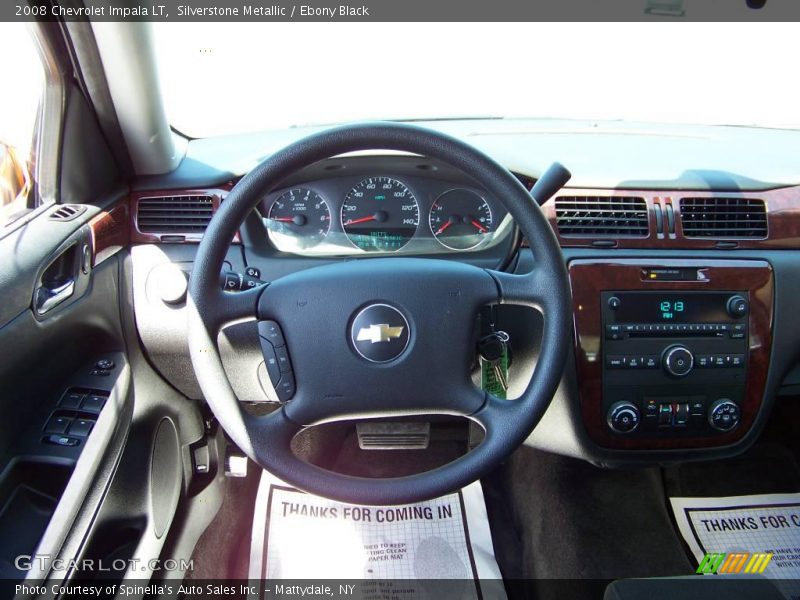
(231, 78)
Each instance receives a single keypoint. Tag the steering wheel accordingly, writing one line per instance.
(423, 365)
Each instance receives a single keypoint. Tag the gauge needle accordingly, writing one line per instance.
(480, 227)
(361, 220)
(444, 227)
(282, 219)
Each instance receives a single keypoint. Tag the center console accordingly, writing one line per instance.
(672, 355)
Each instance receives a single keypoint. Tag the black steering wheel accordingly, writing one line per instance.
(424, 365)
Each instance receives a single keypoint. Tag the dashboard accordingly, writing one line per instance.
(696, 379)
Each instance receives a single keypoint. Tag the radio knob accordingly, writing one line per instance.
(623, 417)
(723, 415)
(737, 306)
(677, 361)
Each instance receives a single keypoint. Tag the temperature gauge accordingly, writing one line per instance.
(460, 219)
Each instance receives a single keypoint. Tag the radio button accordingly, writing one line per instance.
(616, 362)
(614, 332)
(738, 331)
(650, 362)
(703, 361)
(678, 361)
(718, 360)
(737, 360)
(634, 362)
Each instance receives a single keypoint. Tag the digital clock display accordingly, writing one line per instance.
(669, 307)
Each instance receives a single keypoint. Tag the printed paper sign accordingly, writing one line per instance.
(302, 536)
(744, 535)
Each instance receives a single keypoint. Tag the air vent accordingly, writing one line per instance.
(723, 218)
(67, 212)
(593, 216)
(174, 214)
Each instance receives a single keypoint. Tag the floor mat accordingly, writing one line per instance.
(303, 536)
(756, 535)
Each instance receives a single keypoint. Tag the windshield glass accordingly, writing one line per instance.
(231, 78)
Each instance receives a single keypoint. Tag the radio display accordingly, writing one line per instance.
(671, 307)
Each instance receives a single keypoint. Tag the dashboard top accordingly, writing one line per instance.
(609, 155)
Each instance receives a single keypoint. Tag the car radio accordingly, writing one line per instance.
(673, 362)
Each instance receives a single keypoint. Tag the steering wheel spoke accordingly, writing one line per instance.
(536, 289)
(232, 307)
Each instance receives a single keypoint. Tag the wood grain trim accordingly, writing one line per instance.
(590, 277)
(138, 237)
(110, 232)
(783, 219)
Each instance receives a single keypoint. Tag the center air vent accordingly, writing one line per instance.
(174, 214)
(593, 216)
(723, 218)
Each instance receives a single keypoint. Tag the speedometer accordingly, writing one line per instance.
(380, 214)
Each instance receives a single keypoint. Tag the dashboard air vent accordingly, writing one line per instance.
(593, 216)
(174, 214)
(67, 212)
(723, 218)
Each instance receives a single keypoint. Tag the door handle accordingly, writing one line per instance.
(48, 298)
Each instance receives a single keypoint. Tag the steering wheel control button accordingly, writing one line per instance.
(678, 361)
(271, 331)
(276, 359)
(723, 415)
(285, 388)
(379, 333)
(623, 417)
(283, 359)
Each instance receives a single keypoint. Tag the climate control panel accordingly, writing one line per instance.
(674, 363)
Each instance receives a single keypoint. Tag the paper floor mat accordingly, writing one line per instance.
(300, 536)
(758, 536)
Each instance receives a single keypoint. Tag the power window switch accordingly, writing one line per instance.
(57, 425)
(71, 400)
(93, 403)
(81, 427)
(61, 440)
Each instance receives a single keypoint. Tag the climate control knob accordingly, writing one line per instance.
(677, 361)
(623, 417)
(723, 415)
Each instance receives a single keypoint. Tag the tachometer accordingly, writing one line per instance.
(380, 214)
(300, 214)
(460, 219)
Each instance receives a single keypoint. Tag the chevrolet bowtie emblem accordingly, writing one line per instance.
(379, 333)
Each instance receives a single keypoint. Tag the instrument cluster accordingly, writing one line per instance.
(383, 214)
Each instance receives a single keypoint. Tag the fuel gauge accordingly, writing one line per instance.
(460, 219)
